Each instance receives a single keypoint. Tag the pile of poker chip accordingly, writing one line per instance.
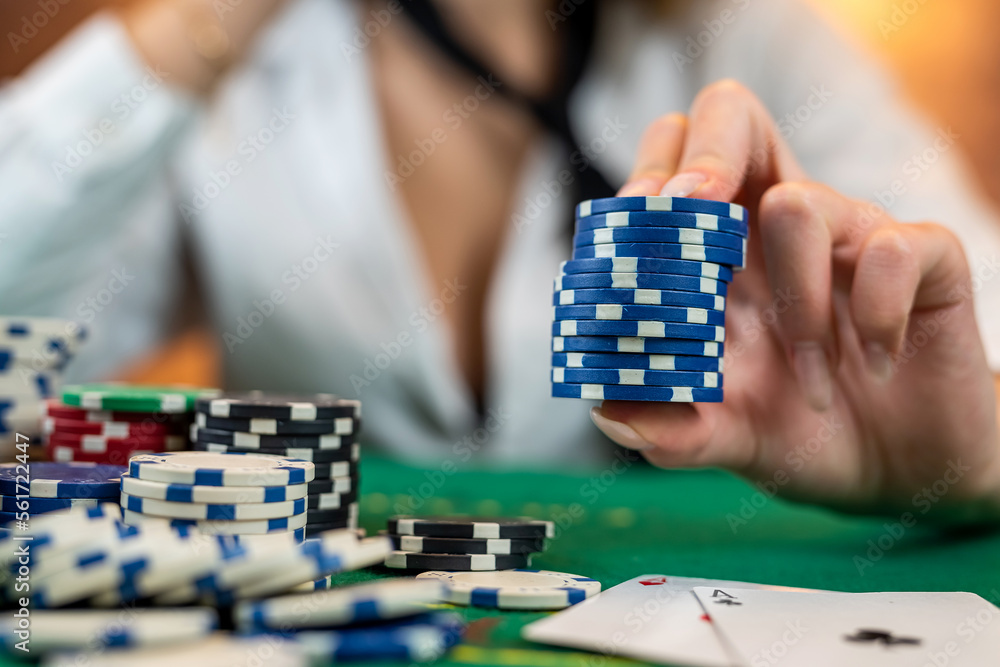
(34, 352)
(111, 422)
(218, 493)
(43, 487)
(640, 308)
(320, 428)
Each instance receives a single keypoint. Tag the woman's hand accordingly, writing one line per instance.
(854, 372)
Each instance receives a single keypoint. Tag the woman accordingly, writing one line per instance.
(376, 199)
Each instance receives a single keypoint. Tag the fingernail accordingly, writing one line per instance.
(813, 372)
(644, 187)
(879, 362)
(623, 434)
(682, 185)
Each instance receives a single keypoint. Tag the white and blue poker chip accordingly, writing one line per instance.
(694, 253)
(350, 453)
(602, 392)
(46, 479)
(514, 589)
(634, 281)
(638, 328)
(208, 469)
(636, 345)
(222, 527)
(660, 235)
(680, 267)
(647, 297)
(363, 603)
(190, 493)
(636, 377)
(214, 512)
(682, 204)
(419, 639)
(653, 362)
(629, 312)
(707, 221)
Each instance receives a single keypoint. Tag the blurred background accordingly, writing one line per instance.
(945, 54)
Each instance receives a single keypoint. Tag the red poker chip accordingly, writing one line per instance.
(54, 408)
(99, 443)
(148, 429)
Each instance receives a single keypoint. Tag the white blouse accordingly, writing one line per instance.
(312, 277)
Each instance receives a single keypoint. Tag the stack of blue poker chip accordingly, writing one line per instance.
(44, 487)
(639, 311)
(34, 352)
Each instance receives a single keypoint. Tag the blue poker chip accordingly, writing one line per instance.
(707, 221)
(627, 312)
(60, 480)
(603, 392)
(693, 253)
(646, 297)
(636, 377)
(43, 505)
(682, 204)
(422, 639)
(680, 267)
(660, 235)
(638, 328)
(634, 345)
(633, 281)
(653, 362)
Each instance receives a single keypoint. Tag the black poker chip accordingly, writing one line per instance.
(258, 404)
(408, 560)
(245, 440)
(330, 516)
(466, 545)
(478, 527)
(336, 469)
(330, 501)
(352, 453)
(267, 426)
(313, 529)
(343, 485)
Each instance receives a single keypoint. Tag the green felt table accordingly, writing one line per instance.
(631, 519)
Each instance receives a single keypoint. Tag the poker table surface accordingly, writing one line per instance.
(628, 519)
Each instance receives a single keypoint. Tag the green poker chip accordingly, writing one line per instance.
(135, 398)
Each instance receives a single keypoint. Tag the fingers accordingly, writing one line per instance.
(902, 268)
(800, 226)
(731, 138)
(659, 152)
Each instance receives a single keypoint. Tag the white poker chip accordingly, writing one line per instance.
(514, 589)
(205, 511)
(210, 469)
(216, 650)
(88, 628)
(222, 526)
(190, 493)
(326, 554)
(380, 600)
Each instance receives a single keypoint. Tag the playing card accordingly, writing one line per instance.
(766, 627)
(652, 617)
